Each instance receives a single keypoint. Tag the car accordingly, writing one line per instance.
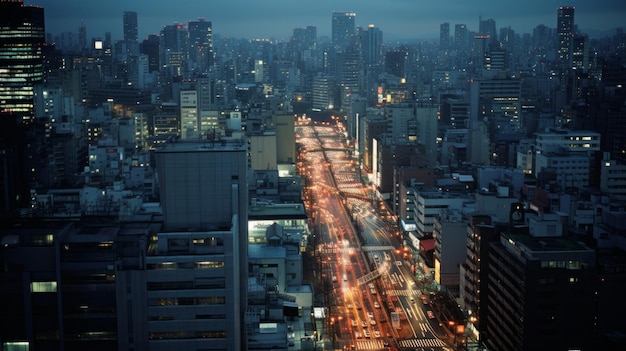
(376, 334)
(354, 323)
(376, 304)
(372, 322)
(366, 333)
(364, 324)
(430, 314)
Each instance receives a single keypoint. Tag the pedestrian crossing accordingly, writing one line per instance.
(369, 344)
(421, 343)
(404, 292)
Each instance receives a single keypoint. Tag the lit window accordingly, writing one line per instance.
(40, 287)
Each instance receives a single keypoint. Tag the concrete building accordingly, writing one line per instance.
(613, 178)
(541, 293)
(263, 151)
(204, 197)
(450, 249)
(285, 139)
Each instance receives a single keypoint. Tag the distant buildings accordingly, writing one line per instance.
(150, 199)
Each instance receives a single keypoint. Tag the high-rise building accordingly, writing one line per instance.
(542, 290)
(461, 36)
(343, 29)
(204, 197)
(22, 36)
(372, 45)
(488, 28)
(580, 53)
(131, 33)
(150, 47)
(82, 37)
(189, 122)
(444, 36)
(174, 48)
(130, 26)
(201, 44)
(565, 32)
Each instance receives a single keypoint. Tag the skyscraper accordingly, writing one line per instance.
(444, 36)
(130, 33)
(565, 32)
(343, 29)
(22, 36)
(488, 27)
(461, 36)
(82, 37)
(201, 44)
(372, 45)
(130, 26)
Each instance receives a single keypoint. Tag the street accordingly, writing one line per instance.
(370, 293)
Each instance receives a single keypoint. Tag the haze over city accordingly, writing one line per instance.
(399, 19)
(401, 175)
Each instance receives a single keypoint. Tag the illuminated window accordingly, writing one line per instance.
(16, 346)
(41, 287)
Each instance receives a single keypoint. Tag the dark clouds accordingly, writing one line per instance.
(398, 19)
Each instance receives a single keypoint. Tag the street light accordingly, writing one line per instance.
(332, 329)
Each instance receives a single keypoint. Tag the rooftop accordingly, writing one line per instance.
(545, 243)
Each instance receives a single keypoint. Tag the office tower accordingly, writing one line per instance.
(323, 93)
(461, 37)
(372, 45)
(150, 47)
(580, 53)
(395, 62)
(130, 26)
(349, 73)
(82, 37)
(22, 37)
(565, 32)
(201, 44)
(542, 290)
(174, 49)
(496, 99)
(311, 37)
(444, 36)
(58, 286)
(189, 122)
(488, 28)
(343, 29)
(204, 198)
(131, 33)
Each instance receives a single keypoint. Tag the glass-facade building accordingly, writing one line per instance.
(22, 36)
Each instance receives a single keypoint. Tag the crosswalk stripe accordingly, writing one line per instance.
(404, 292)
(421, 343)
(369, 344)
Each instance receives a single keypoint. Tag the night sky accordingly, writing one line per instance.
(398, 19)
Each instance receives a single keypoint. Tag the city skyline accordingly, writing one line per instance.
(399, 19)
